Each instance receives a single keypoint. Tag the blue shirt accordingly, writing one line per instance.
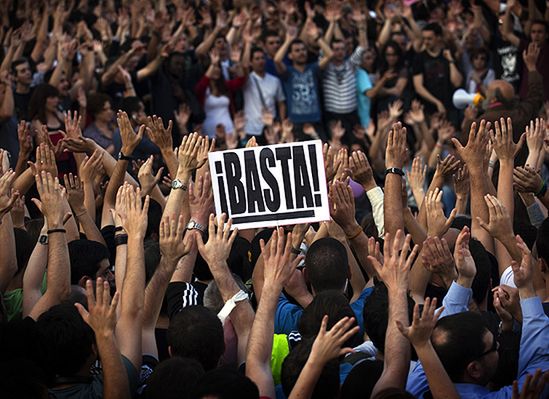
(302, 93)
(288, 314)
(534, 347)
(363, 83)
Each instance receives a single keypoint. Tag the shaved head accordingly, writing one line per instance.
(500, 90)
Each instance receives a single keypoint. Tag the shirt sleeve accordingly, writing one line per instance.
(180, 295)
(376, 197)
(535, 214)
(287, 316)
(356, 57)
(363, 81)
(279, 92)
(534, 347)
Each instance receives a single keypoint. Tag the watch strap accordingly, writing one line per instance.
(123, 157)
(396, 171)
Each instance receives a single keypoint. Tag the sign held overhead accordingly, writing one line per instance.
(271, 185)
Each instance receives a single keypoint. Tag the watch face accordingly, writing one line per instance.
(43, 239)
(191, 225)
(176, 183)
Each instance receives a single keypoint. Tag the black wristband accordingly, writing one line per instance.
(396, 171)
(120, 239)
(296, 251)
(56, 231)
(123, 157)
(118, 228)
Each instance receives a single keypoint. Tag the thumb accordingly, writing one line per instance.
(482, 224)
(457, 144)
(38, 203)
(158, 175)
(83, 312)
(451, 218)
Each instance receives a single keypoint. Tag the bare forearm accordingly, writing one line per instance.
(155, 290)
(115, 379)
(392, 206)
(8, 260)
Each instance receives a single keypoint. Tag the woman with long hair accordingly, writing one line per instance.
(217, 97)
(394, 88)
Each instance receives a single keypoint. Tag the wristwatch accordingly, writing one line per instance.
(43, 239)
(123, 157)
(194, 225)
(396, 171)
(231, 304)
(178, 184)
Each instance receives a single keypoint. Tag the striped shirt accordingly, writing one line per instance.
(339, 85)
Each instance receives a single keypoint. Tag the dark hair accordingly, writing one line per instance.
(17, 62)
(393, 393)
(328, 382)
(85, 256)
(433, 27)
(173, 379)
(398, 51)
(225, 383)
(332, 303)
(152, 258)
(458, 340)
(327, 265)
(256, 50)
(154, 216)
(541, 241)
(196, 332)
(24, 246)
(269, 33)
(483, 263)
(376, 315)
(37, 102)
(481, 51)
(539, 22)
(130, 104)
(293, 43)
(334, 41)
(67, 338)
(96, 103)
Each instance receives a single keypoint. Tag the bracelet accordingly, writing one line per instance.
(491, 164)
(542, 190)
(120, 239)
(51, 231)
(355, 234)
(296, 251)
(118, 228)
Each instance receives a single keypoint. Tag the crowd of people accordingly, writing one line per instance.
(431, 278)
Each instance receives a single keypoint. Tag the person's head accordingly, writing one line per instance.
(271, 42)
(176, 64)
(257, 60)
(44, 101)
(68, 340)
(393, 393)
(326, 265)
(392, 55)
(99, 107)
(368, 61)
(197, 333)
(298, 52)
(89, 260)
(173, 378)
(432, 36)
(135, 109)
(21, 70)
(225, 383)
(538, 32)
(328, 383)
(466, 348)
(376, 315)
(333, 304)
(480, 58)
(500, 91)
(220, 44)
(483, 263)
(338, 48)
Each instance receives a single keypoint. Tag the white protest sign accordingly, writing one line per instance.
(272, 185)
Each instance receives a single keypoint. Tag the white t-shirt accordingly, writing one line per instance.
(271, 90)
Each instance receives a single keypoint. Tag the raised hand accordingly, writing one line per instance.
(502, 140)
(416, 112)
(361, 171)
(91, 167)
(535, 133)
(461, 182)
(101, 313)
(438, 259)
(159, 135)
(419, 333)
(201, 198)
(499, 223)
(328, 345)
(130, 139)
(45, 161)
(75, 193)
(524, 272)
(25, 140)
(220, 241)
(172, 244)
(146, 179)
(277, 259)
(527, 180)
(395, 270)
(395, 153)
(507, 302)
(134, 219)
(465, 263)
(437, 224)
(188, 151)
(52, 196)
(7, 196)
(447, 166)
(473, 152)
(72, 124)
(532, 387)
(342, 206)
(206, 147)
(416, 179)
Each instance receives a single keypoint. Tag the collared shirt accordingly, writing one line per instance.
(271, 92)
(534, 350)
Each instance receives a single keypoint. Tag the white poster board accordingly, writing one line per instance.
(271, 185)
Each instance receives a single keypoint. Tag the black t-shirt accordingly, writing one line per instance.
(507, 61)
(22, 105)
(436, 76)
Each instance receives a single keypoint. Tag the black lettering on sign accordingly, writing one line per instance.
(233, 173)
(221, 184)
(314, 172)
(253, 184)
(271, 195)
(301, 179)
(283, 154)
